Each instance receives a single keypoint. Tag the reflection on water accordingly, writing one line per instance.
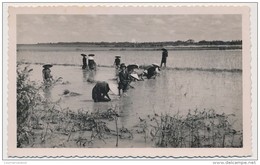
(171, 92)
(47, 92)
(125, 110)
(91, 76)
(88, 75)
(101, 106)
(85, 75)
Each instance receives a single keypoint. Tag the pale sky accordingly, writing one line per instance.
(131, 28)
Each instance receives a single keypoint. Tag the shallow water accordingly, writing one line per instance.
(218, 59)
(174, 91)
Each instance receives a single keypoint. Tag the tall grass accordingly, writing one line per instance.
(195, 130)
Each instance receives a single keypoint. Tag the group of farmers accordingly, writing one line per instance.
(126, 74)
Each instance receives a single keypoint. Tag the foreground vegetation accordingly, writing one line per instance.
(196, 129)
(43, 123)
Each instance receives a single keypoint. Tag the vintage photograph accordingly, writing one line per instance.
(129, 81)
(129, 78)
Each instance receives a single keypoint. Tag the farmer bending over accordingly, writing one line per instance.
(100, 92)
(152, 71)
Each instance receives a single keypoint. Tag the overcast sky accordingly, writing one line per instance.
(131, 28)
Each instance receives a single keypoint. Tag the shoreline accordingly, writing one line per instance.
(83, 47)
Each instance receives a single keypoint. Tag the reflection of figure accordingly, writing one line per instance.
(126, 104)
(164, 57)
(85, 74)
(91, 76)
(47, 92)
(46, 73)
(100, 91)
(117, 70)
(84, 61)
(124, 79)
(152, 71)
(117, 62)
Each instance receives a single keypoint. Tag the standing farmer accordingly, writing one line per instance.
(84, 60)
(164, 57)
(46, 73)
(124, 79)
(117, 62)
(91, 62)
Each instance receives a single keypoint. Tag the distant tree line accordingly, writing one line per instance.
(189, 42)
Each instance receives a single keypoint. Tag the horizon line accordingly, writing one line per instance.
(67, 42)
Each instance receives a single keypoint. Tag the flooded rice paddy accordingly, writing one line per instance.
(202, 79)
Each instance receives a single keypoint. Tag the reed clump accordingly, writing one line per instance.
(198, 129)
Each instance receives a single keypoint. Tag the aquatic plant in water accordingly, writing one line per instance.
(197, 129)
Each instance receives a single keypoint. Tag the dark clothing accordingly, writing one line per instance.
(164, 57)
(151, 72)
(165, 54)
(130, 68)
(46, 74)
(84, 60)
(91, 64)
(163, 60)
(124, 80)
(99, 92)
(117, 62)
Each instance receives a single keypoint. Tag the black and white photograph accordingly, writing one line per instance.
(129, 81)
(97, 78)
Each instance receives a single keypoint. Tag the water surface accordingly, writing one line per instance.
(174, 91)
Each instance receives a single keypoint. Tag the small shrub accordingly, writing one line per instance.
(28, 99)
